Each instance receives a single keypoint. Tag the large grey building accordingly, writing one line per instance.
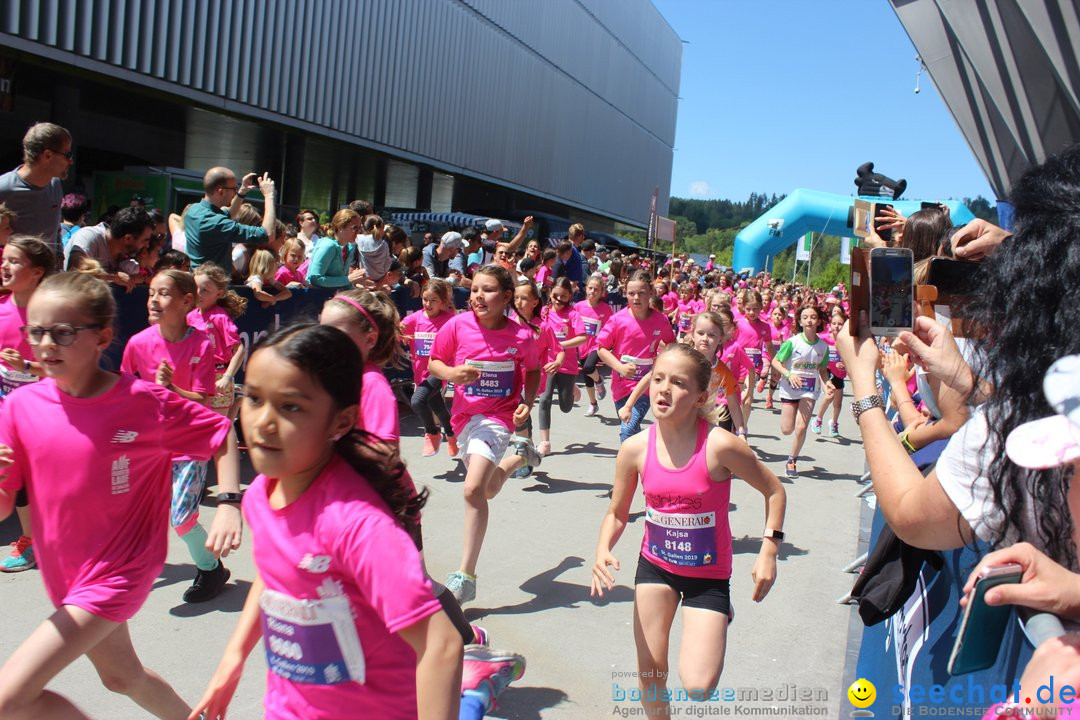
(561, 106)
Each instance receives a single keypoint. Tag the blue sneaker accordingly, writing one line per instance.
(486, 673)
(792, 472)
(815, 425)
(462, 585)
(834, 430)
(20, 557)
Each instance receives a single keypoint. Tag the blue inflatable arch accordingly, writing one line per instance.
(806, 211)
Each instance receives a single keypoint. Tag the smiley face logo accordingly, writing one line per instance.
(862, 693)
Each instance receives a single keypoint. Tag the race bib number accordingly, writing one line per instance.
(10, 380)
(684, 323)
(422, 342)
(834, 357)
(809, 382)
(755, 358)
(642, 366)
(682, 539)
(591, 326)
(311, 641)
(561, 331)
(496, 379)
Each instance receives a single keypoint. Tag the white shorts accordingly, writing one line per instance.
(484, 437)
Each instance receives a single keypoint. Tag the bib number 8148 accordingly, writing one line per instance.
(286, 648)
(676, 545)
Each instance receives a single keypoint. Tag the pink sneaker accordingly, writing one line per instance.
(431, 444)
(451, 446)
(487, 672)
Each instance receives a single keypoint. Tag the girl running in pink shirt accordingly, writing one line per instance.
(100, 505)
(628, 344)
(216, 310)
(594, 313)
(779, 331)
(528, 313)
(27, 261)
(348, 621)
(754, 335)
(419, 330)
(834, 388)
(490, 359)
(177, 356)
(685, 556)
(560, 361)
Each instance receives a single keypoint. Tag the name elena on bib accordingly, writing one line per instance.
(496, 379)
(686, 539)
(311, 641)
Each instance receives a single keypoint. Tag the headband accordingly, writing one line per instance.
(363, 311)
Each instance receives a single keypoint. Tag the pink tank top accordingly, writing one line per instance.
(686, 514)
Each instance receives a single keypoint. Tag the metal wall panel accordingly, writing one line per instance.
(574, 100)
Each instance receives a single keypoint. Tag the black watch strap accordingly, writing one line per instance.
(775, 534)
(229, 498)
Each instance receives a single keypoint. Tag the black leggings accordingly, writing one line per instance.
(565, 384)
(427, 402)
(588, 367)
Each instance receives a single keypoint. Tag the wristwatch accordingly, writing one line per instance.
(229, 498)
(870, 401)
(775, 534)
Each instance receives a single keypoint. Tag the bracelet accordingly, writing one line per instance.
(229, 498)
(909, 400)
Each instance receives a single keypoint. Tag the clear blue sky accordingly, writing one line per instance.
(780, 94)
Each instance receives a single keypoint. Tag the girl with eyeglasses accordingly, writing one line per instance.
(27, 260)
(100, 505)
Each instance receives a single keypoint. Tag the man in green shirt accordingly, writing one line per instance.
(210, 229)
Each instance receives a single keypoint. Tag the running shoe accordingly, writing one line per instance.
(532, 457)
(480, 635)
(792, 472)
(761, 385)
(815, 425)
(768, 403)
(20, 557)
(486, 673)
(834, 430)
(451, 446)
(462, 585)
(522, 472)
(593, 409)
(577, 394)
(544, 448)
(601, 391)
(431, 444)
(208, 584)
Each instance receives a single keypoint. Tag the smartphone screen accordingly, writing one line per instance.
(952, 277)
(891, 290)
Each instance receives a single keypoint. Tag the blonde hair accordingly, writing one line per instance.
(702, 374)
(263, 264)
(233, 304)
(291, 245)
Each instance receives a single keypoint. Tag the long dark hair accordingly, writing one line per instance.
(332, 359)
(1028, 312)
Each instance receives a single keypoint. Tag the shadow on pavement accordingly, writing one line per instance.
(548, 485)
(747, 544)
(231, 600)
(592, 448)
(526, 703)
(551, 593)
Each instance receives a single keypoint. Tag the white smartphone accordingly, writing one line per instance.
(892, 291)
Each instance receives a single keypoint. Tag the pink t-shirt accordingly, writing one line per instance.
(563, 326)
(12, 318)
(342, 579)
(378, 406)
(736, 359)
(422, 329)
(98, 472)
(755, 338)
(224, 336)
(636, 342)
(503, 357)
(670, 300)
(543, 276)
(192, 359)
(685, 316)
(285, 276)
(591, 319)
(834, 355)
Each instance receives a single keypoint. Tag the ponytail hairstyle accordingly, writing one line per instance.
(562, 283)
(642, 276)
(184, 281)
(330, 357)
(702, 374)
(379, 315)
(230, 302)
(526, 282)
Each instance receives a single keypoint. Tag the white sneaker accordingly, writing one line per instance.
(593, 409)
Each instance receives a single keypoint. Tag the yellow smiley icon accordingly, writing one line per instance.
(862, 693)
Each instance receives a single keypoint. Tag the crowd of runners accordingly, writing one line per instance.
(351, 622)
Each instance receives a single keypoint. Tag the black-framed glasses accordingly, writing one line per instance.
(234, 188)
(70, 154)
(62, 334)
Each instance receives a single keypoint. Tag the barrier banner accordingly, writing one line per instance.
(906, 657)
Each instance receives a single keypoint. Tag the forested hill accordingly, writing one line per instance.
(722, 214)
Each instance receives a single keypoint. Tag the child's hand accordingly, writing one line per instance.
(830, 390)
(627, 370)
(624, 413)
(763, 575)
(13, 358)
(601, 577)
(465, 374)
(222, 687)
(224, 384)
(794, 381)
(894, 368)
(552, 367)
(226, 531)
(521, 414)
(6, 457)
(164, 374)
